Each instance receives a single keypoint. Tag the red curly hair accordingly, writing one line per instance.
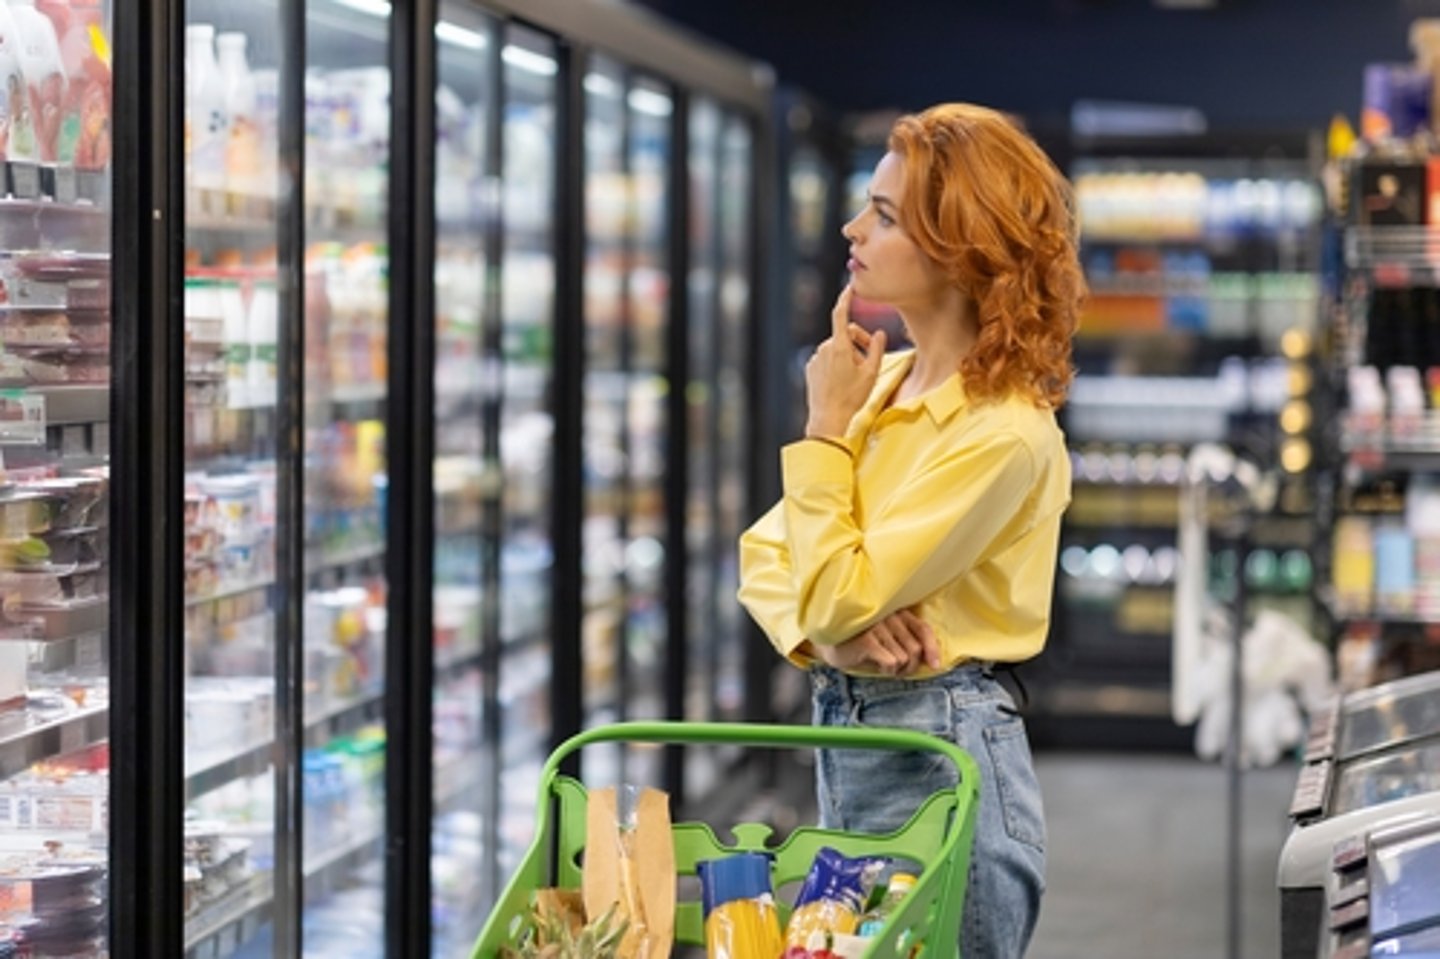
(984, 202)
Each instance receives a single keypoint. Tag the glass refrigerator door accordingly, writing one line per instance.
(527, 286)
(627, 277)
(646, 427)
(347, 129)
(54, 478)
(607, 205)
(232, 221)
(731, 391)
(701, 541)
(463, 382)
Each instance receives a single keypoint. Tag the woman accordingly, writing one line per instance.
(914, 547)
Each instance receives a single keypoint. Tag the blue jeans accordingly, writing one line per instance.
(876, 792)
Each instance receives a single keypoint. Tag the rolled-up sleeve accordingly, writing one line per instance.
(938, 525)
(767, 586)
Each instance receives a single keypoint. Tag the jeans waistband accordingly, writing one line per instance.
(970, 673)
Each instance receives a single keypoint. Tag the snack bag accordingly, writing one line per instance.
(630, 866)
(831, 900)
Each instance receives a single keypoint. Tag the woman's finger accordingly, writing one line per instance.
(929, 645)
(892, 644)
(840, 316)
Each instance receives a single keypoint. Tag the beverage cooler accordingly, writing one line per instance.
(380, 416)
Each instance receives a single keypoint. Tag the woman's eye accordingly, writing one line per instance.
(885, 220)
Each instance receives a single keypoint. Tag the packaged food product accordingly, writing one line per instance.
(739, 907)
(832, 897)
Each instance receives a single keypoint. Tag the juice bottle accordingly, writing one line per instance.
(242, 147)
(206, 125)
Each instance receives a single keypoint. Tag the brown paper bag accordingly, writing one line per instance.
(633, 865)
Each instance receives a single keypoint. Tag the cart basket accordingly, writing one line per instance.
(938, 836)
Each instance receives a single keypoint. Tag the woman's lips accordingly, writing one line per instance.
(854, 265)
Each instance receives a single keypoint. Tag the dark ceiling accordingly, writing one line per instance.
(1248, 64)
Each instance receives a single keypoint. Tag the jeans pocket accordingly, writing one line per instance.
(1015, 782)
(925, 709)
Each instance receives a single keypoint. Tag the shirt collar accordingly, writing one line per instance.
(943, 402)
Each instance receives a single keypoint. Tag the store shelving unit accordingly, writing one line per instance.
(1198, 329)
(1384, 620)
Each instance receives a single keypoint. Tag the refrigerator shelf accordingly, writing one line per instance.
(252, 762)
(324, 560)
(24, 743)
(324, 871)
(90, 615)
(69, 405)
(343, 718)
(517, 642)
(229, 592)
(455, 667)
(221, 927)
(350, 394)
(332, 723)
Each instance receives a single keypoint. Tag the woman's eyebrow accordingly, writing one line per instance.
(880, 198)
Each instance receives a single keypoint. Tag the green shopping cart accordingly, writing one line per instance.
(938, 836)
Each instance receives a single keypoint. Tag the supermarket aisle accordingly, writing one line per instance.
(1137, 857)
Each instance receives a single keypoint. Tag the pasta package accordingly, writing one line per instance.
(741, 920)
(630, 867)
(831, 900)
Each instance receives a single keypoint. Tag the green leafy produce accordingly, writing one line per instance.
(550, 935)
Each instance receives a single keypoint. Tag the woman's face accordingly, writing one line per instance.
(885, 265)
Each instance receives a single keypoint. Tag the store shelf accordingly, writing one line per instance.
(83, 652)
(454, 667)
(324, 869)
(71, 405)
(343, 718)
(1402, 255)
(351, 394)
(323, 560)
(1108, 699)
(219, 772)
(229, 592)
(337, 720)
(26, 740)
(63, 623)
(221, 927)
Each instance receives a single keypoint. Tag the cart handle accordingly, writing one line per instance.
(767, 735)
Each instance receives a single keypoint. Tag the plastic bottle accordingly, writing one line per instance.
(45, 72)
(900, 885)
(206, 125)
(242, 146)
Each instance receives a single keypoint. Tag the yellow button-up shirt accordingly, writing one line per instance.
(941, 504)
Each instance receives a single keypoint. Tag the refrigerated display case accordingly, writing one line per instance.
(55, 557)
(464, 595)
(348, 488)
(627, 377)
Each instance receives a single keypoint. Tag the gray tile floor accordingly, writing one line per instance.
(1137, 857)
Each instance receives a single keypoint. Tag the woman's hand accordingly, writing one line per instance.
(898, 645)
(841, 373)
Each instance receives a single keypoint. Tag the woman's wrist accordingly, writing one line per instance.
(824, 429)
